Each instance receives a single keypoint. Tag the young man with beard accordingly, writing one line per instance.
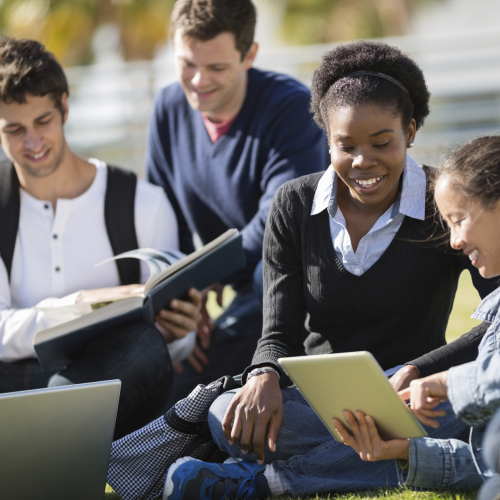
(56, 225)
(221, 142)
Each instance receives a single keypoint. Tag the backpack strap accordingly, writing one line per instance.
(10, 209)
(119, 209)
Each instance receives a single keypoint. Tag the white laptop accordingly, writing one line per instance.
(55, 443)
(332, 383)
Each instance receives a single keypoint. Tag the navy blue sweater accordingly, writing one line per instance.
(214, 187)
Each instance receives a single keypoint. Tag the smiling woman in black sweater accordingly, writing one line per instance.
(354, 255)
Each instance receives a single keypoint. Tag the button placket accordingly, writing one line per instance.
(56, 247)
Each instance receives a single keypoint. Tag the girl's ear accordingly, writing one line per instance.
(411, 132)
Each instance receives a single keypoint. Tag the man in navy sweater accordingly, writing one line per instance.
(221, 142)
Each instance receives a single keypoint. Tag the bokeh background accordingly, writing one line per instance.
(117, 54)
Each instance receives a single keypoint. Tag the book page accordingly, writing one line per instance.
(157, 260)
(114, 309)
(177, 266)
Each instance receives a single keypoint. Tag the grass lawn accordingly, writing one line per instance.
(460, 322)
(386, 495)
(466, 301)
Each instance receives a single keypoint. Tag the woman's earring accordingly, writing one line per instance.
(411, 145)
(330, 151)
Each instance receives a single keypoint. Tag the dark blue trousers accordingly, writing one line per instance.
(135, 353)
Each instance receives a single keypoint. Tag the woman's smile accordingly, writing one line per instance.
(368, 185)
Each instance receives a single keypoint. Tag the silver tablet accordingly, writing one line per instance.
(332, 383)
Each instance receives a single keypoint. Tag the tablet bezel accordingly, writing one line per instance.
(355, 381)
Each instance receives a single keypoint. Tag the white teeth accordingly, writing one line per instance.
(368, 182)
(473, 255)
(38, 155)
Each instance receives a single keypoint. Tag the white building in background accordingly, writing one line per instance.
(455, 15)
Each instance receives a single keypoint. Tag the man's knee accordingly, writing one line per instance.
(135, 353)
(146, 361)
(216, 416)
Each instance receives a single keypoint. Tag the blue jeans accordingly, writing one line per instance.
(309, 460)
(491, 457)
(234, 341)
(134, 353)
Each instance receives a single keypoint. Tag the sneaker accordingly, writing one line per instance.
(193, 479)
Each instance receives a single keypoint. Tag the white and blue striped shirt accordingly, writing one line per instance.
(410, 202)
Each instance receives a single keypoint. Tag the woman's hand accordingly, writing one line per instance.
(402, 378)
(365, 439)
(181, 319)
(257, 405)
(424, 395)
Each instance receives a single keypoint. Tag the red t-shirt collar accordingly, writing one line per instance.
(217, 130)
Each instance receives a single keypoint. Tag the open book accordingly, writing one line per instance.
(170, 278)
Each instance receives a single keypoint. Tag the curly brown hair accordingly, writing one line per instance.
(332, 87)
(27, 68)
(205, 19)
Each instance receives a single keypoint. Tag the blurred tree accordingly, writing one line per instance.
(321, 21)
(66, 27)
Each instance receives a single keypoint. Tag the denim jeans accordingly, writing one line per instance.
(134, 353)
(309, 460)
(234, 341)
(491, 457)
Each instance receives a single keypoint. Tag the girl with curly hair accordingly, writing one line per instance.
(352, 261)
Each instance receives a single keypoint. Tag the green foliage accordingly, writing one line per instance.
(322, 21)
(66, 27)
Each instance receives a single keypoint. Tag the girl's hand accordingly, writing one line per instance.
(365, 439)
(424, 395)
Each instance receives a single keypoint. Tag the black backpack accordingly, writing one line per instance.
(118, 215)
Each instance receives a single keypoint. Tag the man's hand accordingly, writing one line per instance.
(197, 359)
(257, 405)
(207, 325)
(366, 441)
(109, 294)
(402, 378)
(424, 395)
(182, 319)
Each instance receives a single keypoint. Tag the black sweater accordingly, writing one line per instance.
(398, 309)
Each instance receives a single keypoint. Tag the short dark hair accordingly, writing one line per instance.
(205, 19)
(332, 88)
(27, 68)
(474, 170)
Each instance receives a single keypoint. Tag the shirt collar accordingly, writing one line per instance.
(411, 200)
(488, 309)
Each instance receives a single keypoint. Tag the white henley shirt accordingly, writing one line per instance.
(55, 256)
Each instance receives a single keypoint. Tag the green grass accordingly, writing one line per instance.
(460, 322)
(376, 494)
(466, 301)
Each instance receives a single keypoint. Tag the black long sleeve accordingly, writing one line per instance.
(460, 351)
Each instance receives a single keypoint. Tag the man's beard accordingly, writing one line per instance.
(46, 171)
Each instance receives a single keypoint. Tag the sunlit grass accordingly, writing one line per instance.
(466, 301)
(368, 495)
